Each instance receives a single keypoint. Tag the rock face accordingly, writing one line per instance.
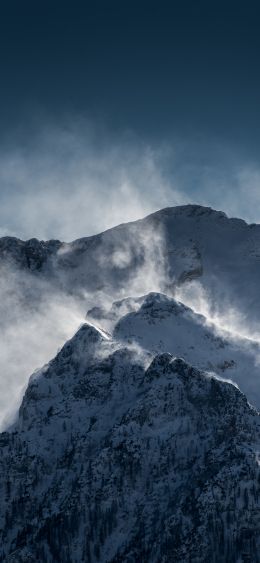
(31, 254)
(119, 456)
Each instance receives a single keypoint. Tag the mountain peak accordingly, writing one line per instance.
(128, 454)
(190, 210)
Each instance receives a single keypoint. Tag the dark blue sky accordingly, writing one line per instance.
(158, 68)
(183, 73)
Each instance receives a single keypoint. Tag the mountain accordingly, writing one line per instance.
(159, 323)
(139, 441)
(159, 253)
(117, 456)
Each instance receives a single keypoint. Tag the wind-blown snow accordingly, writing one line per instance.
(206, 260)
(136, 442)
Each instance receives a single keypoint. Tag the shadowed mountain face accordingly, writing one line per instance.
(161, 252)
(130, 445)
(117, 457)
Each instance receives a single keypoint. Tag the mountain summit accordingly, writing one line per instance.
(161, 252)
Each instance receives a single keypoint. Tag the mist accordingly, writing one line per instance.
(39, 314)
(219, 313)
(73, 180)
(35, 322)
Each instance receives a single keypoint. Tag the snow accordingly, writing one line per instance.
(104, 443)
(137, 442)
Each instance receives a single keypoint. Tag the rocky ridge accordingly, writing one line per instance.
(118, 455)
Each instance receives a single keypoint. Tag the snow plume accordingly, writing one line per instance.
(77, 180)
(152, 275)
(218, 312)
(37, 318)
(74, 179)
(136, 256)
(131, 349)
(35, 322)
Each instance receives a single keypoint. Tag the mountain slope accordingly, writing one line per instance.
(158, 253)
(119, 457)
(159, 323)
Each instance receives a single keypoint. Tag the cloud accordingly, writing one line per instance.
(67, 184)
(77, 179)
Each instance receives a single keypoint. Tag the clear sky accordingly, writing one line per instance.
(109, 110)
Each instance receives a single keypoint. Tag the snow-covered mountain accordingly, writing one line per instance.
(161, 324)
(140, 440)
(160, 252)
(119, 457)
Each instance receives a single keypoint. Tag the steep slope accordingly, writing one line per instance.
(160, 252)
(159, 323)
(119, 457)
